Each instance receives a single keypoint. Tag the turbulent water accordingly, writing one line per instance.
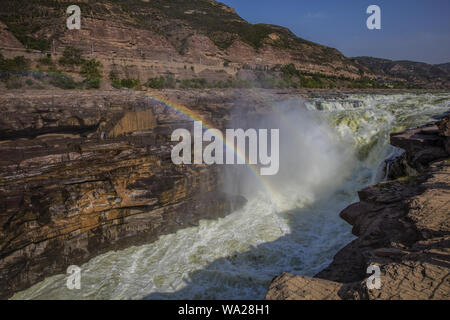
(331, 148)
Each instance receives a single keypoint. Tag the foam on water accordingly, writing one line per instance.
(336, 151)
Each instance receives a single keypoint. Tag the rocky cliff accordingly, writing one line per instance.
(197, 39)
(151, 38)
(82, 173)
(402, 226)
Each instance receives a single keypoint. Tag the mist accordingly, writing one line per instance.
(314, 160)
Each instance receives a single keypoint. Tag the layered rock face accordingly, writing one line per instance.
(205, 39)
(82, 173)
(143, 39)
(402, 227)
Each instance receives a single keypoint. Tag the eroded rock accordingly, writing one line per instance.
(69, 192)
(403, 227)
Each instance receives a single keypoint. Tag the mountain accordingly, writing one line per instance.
(417, 73)
(196, 39)
(444, 66)
(202, 32)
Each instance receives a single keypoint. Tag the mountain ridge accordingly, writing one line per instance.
(412, 71)
(201, 35)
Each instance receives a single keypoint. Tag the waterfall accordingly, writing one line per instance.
(330, 148)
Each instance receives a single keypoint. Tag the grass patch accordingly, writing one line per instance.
(118, 83)
(161, 82)
(63, 81)
(71, 57)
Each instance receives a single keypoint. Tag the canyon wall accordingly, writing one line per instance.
(82, 173)
(148, 39)
(402, 227)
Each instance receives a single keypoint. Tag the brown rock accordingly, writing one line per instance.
(422, 145)
(444, 126)
(402, 226)
(68, 193)
(293, 287)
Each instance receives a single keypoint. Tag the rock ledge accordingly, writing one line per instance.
(402, 225)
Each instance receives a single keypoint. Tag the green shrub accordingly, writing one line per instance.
(194, 83)
(47, 60)
(290, 71)
(156, 83)
(116, 84)
(115, 81)
(93, 83)
(282, 84)
(71, 57)
(90, 69)
(9, 67)
(162, 82)
(130, 83)
(125, 83)
(311, 82)
(23, 30)
(62, 81)
(19, 63)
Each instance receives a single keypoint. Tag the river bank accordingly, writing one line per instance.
(87, 179)
(402, 227)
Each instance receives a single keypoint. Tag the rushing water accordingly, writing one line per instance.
(335, 147)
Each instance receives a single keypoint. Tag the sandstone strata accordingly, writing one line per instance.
(82, 173)
(402, 226)
(149, 39)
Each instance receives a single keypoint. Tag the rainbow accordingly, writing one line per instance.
(195, 116)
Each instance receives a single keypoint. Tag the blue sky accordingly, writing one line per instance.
(416, 30)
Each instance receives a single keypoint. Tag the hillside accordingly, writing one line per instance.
(201, 42)
(445, 66)
(418, 73)
(402, 226)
